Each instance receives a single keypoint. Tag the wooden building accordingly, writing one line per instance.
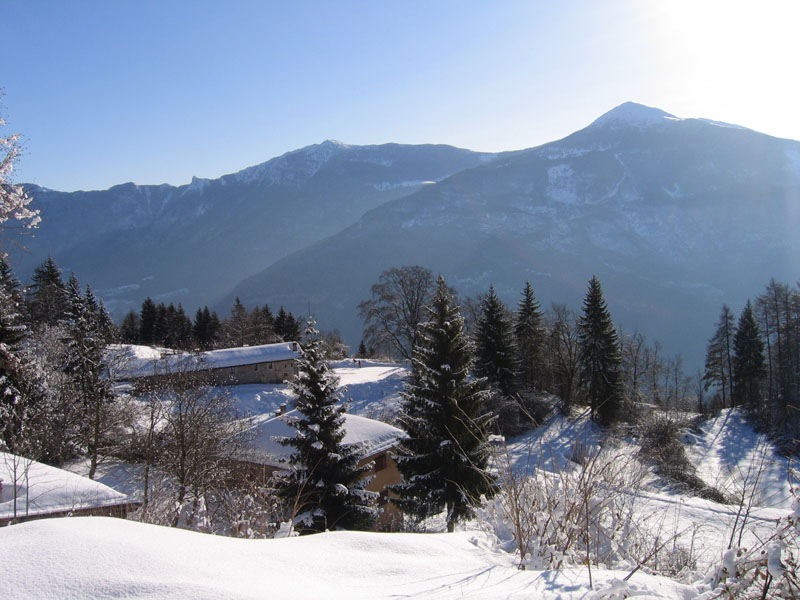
(268, 363)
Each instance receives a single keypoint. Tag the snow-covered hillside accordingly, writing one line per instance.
(555, 464)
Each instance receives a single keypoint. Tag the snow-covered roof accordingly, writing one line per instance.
(250, 355)
(41, 489)
(373, 436)
(142, 361)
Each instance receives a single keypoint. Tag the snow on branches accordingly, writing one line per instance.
(14, 201)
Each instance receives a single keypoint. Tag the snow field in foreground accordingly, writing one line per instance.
(94, 557)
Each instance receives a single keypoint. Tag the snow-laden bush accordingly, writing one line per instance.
(767, 569)
(585, 513)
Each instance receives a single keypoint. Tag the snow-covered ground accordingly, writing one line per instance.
(100, 557)
(730, 456)
(372, 390)
(110, 558)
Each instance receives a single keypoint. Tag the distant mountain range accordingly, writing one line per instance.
(676, 216)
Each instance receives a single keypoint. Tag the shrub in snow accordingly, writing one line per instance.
(767, 569)
(586, 513)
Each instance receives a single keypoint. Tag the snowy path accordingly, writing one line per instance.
(732, 457)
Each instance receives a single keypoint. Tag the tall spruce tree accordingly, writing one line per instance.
(601, 361)
(749, 365)
(444, 458)
(147, 322)
(494, 356)
(325, 476)
(47, 295)
(88, 372)
(530, 338)
(719, 357)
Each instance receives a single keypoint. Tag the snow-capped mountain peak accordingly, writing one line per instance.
(632, 114)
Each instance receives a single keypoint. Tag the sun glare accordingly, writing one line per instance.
(733, 60)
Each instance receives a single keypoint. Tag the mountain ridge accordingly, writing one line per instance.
(638, 196)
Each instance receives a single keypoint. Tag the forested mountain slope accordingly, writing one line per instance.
(676, 216)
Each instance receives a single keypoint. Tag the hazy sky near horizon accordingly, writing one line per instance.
(106, 92)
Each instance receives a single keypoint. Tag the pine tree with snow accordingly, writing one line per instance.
(719, 357)
(325, 477)
(749, 364)
(12, 325)
(529, 335)
(444, 458)
(600, 357)
(21, 391)
(88, 371)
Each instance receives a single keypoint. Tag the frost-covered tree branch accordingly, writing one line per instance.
(14, 201)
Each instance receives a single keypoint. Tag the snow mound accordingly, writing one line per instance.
(95, 557)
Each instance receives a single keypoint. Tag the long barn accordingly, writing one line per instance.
(268, 363)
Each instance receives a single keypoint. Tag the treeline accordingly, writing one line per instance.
(755, 363)
(524, 353)
(169, 326)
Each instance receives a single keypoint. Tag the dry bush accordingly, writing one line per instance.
(767, 569)
(586, 513)
(662, 446)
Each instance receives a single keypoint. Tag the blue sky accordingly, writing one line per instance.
(109, 91)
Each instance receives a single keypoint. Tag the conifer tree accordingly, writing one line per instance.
(263, 325)
(286, 326)
(529, 335)
(719, 357)
(21, 390)
(600, 357)
(444, 458)
(47, 295)
(238, 328)
(88, 371)
(325, 475)
(147, 322)
(12, 325)
(204, 329)
(495, 345)
(129, 329)
(749, 366)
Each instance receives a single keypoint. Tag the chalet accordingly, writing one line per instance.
(265, 455)
(268, 363)
(32, 490)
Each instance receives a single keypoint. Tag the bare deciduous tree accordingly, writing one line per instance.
(396, 308)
